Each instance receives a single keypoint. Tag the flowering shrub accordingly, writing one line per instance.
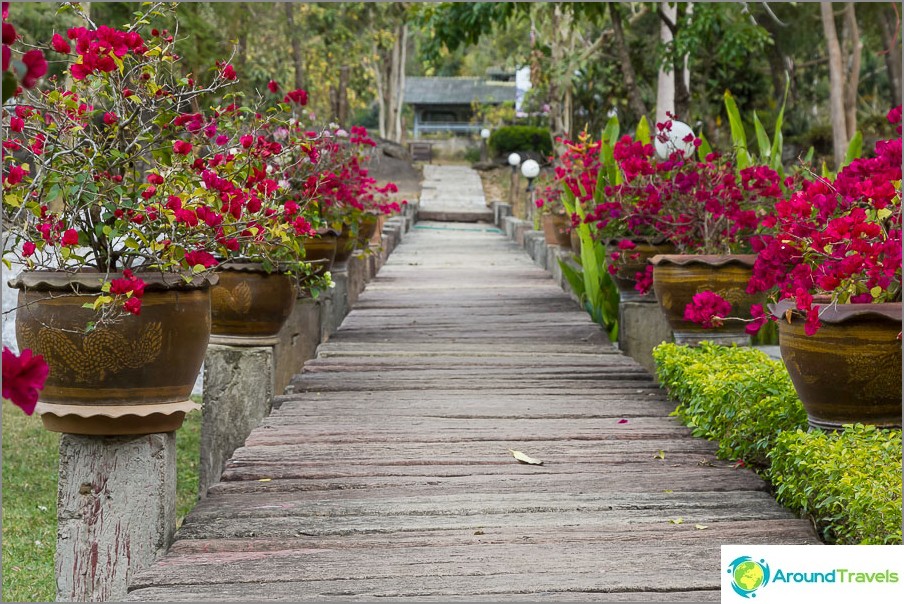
(840, 239)
(26, 70)
(99, 174)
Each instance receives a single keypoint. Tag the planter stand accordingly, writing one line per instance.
(238, 388)
(641, 327)
(116, 512)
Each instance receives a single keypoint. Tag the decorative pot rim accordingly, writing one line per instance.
(251, 266)
(836, 314)
(92, 282)
(708, 259)
(657, 241)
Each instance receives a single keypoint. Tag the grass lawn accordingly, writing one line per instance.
(30, 456)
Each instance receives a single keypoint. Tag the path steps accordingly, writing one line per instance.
(387, 473)
(452, 193)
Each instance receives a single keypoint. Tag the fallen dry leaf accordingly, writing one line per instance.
(700, 527)
(264, 479)
(660, 455)
(525, 459)
(676, 521)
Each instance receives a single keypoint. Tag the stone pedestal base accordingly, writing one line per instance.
(641, 327)
(238, 388)
(116, 512)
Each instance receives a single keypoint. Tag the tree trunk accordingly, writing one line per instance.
(399, 55)
(892, 53)
(381, 96)
(635, 101)
(836, 84)
(852, 50)
(665, 88)
(297, 56)
(342, 94)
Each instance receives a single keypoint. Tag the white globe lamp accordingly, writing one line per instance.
(674, 141)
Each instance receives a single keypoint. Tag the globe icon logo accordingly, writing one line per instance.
(748, 575)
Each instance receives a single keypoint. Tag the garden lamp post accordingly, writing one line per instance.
(484, 138)
(530, 169)
(514, 160)
(669, 141)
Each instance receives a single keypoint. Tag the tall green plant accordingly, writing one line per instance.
(592, 283)
(769, 152)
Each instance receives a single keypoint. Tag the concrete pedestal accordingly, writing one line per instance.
(116, 512)
(298, 341)
(535, 244)
(641, 327)
(238, 388)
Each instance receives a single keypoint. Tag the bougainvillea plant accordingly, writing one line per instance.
(838, 239)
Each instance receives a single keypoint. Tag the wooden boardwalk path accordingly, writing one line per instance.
(387, 474)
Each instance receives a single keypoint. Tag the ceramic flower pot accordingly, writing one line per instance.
(322, 247)
(849, 371)
(634, 261)
(575, 239)
(677, 278)
(249, 305)
(131, 376)
(555, 230)
(345, 245)
(367, 230)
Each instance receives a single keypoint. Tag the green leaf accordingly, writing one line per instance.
(611, 131)
(738, 136)
(778, 142)
(642, 133)
(704, 149)
(762, 140)
(854, 150)
(809, 156)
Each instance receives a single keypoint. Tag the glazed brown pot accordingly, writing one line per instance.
(131, 376)
(678, 277)
(249, 305)
(575, 239)
(555, 230)
(367, 229)
(345, 245)
(849, 371)
(322, 247)
(637, 261)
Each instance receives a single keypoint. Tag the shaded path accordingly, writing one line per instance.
(387, 472)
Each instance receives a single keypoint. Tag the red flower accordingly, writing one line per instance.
(133, 306)
(297, 96)
(70, 237)
(229, 72)
(28, 248)
(708, 309)
(155, 179)
(16, 124)
(7, 57)
(201, 257)
(273, 86)
(60, 44)
(23, 378)
(246, 141)
(182, 147)
(16, 173)
(110, 118)
(37, 66)
(9, 33)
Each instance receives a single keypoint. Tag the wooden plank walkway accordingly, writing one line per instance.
(387, 474)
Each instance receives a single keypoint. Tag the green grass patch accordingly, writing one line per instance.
(848, 483)
(30, 472)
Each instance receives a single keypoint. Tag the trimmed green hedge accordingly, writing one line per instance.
(848, 482)
(520, 139)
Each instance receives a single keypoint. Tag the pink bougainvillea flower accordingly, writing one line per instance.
(229, 72)
(7, 57)
(707, 309)
(37, 66)
(201, 257)
(273, 86)
(182, 147)
(298, 96)
(60, 44)
(16, 124)
(70, 237)
(133, 306)
(110, 118)
(23, 378)
(15, 175)
(28, 249)
(9, 33)
(246, 141)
